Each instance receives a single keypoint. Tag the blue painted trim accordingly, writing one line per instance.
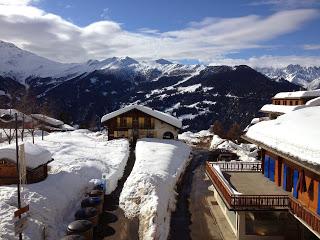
(284, 176)
(266, 166)
(272, 168)
(295, 183)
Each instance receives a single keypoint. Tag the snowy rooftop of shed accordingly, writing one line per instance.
(154, 113)
(21, 116)
(295, 134)
(49, 120)
(298, 94)
(35, 155)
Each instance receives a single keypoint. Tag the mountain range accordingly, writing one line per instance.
(82, 92)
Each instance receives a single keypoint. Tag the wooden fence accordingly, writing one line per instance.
(239, 166)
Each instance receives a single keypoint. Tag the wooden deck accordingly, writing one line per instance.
(253, 183)
(253, 195)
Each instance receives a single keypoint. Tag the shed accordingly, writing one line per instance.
(37, 159)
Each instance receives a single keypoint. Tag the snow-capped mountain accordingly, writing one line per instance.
(21, 65)
(307, 77)
(82, 92)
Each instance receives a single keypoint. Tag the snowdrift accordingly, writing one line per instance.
(149, 192)
(79, 157)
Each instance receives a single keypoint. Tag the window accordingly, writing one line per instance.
(123, 122)
(297, 102)
(290, 102)
(284, 102)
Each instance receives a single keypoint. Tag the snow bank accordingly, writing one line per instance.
(296, 134)
(194, 138)
(79, 157)
(245, 152)
(149, 192)
(35, 155)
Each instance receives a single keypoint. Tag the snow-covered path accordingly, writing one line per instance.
(79, 157)
(149, 192)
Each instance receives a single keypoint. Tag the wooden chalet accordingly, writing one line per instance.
(134, 122)
(37, 160)
(279, 196)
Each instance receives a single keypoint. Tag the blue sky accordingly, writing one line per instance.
(275, 32)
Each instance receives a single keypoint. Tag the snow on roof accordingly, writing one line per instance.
(298, 94)
(280, 108)
(35, 155)
(154, 113)
(49, 120)
(11, 111)
(295, 134)
(67, 127)
(313, 102)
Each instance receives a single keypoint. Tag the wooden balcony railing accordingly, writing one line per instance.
(310, 218)
(242, 201)
(239, 166)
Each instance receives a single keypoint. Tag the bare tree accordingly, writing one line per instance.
(234, 132)
(217, 128)
(27, 105)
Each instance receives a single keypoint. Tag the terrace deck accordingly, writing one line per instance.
(253, 183)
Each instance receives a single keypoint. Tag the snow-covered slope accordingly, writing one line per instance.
(54, 201)
(20, 65)
(308, 77)
(196, 94)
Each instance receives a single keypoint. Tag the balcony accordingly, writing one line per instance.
(308, 218)
(240, 186)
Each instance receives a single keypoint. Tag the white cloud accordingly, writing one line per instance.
(311, 47)
(270, 61)
(51, 36)
(287, 4)
(105, 13)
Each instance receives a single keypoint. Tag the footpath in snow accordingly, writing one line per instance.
(149, 192)
(79, 156)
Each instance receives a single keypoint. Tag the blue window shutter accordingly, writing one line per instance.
(284, 176)
(295, 183)
(266, 166)
(318, 209)
(271, 169)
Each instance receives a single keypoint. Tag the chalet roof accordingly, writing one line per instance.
(298, 94)
(281, 109)
(48, 120)
(35, 155)
(154, 113)
(272, 108)
(294, 134)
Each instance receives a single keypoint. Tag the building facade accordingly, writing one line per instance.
(135, 122)
(285, 102)
(277, 197)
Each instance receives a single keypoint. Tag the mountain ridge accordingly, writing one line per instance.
(196, 94)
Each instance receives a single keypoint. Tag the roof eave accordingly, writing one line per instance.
(315, 168)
